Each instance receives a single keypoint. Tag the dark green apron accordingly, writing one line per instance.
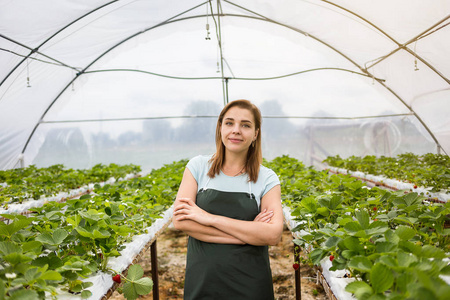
(226, 271)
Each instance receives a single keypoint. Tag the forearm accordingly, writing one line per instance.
(206, 233)
(250, 232)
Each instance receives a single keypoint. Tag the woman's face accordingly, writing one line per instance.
(238, 129)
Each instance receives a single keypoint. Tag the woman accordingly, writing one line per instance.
(230, 206)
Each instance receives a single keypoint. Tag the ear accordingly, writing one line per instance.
(256, 134)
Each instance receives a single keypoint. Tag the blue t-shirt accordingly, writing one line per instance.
(199, 167)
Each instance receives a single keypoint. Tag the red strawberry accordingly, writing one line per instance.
(375, 208)
(331, 257)
(296, 266)
(415, 186)
(375, 219)
(116, 278)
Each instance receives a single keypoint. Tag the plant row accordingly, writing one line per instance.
(60, 243)
(429, 170)
(32, 182)
(394, 244)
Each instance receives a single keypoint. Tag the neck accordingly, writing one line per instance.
(235, 160)
(234, 164)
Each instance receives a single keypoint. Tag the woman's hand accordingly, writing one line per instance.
(188, 210)
(264, 216)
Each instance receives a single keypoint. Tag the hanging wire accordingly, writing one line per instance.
(415, 57)
(207, 25)
(218, 59)
(28, 74)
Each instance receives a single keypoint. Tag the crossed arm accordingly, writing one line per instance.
(265, 229)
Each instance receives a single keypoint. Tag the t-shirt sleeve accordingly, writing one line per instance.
(271, 181)
(197, 166)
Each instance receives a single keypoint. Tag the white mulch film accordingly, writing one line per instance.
(394, 183)
(19, 208)
(103, 281)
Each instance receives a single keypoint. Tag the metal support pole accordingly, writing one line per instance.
(154, 263)
(298, 287)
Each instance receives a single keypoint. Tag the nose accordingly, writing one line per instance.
(236, 128)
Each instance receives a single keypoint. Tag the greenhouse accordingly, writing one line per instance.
(107, 101)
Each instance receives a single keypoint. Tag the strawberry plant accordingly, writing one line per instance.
(394, 244)
(59, 243)
(428, 170)
(33, 183)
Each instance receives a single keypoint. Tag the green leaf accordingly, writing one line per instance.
(310, 204)
(381, 278)
(9, 229)
(2, 290)
(391, 237)
(410, 247)
(74, 220)
(335, 201)
(85, 294)
(59, 235)
(92, 215)
(361, 289)
(143, 286)
(389, 261)
(404, 279)
(51, 275)
(31, 245)
(45, 238)
(9, 247)
(383, 247)
(16, 258)
(83, 232)
(353, 227)
(316, 256)
(323, 211)
(363, 218)
(412, 199)
(406, 259)
(432, 252)
(23, 294)
(405, 232)
(76, 288)
(332, 241)
(129, 291)
(53, 262)
(408, 220)
(360, 263)
(348, 254)
(54, 239)
(353, 243)
(135, 272)
(86, 284)
(100, 235)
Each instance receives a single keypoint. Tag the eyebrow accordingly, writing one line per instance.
(243, 121)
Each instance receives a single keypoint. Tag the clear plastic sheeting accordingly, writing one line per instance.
(143, 82)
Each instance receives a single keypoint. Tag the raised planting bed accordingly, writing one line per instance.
(431, 171)
(31, 183)
(390, 243)
(60, 246)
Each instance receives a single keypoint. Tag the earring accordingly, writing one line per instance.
(253, 143)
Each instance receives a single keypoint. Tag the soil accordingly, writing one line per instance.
(171, 252)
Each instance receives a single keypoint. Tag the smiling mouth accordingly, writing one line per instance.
(235, 140)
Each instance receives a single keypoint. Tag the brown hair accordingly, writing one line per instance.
(254, 154)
